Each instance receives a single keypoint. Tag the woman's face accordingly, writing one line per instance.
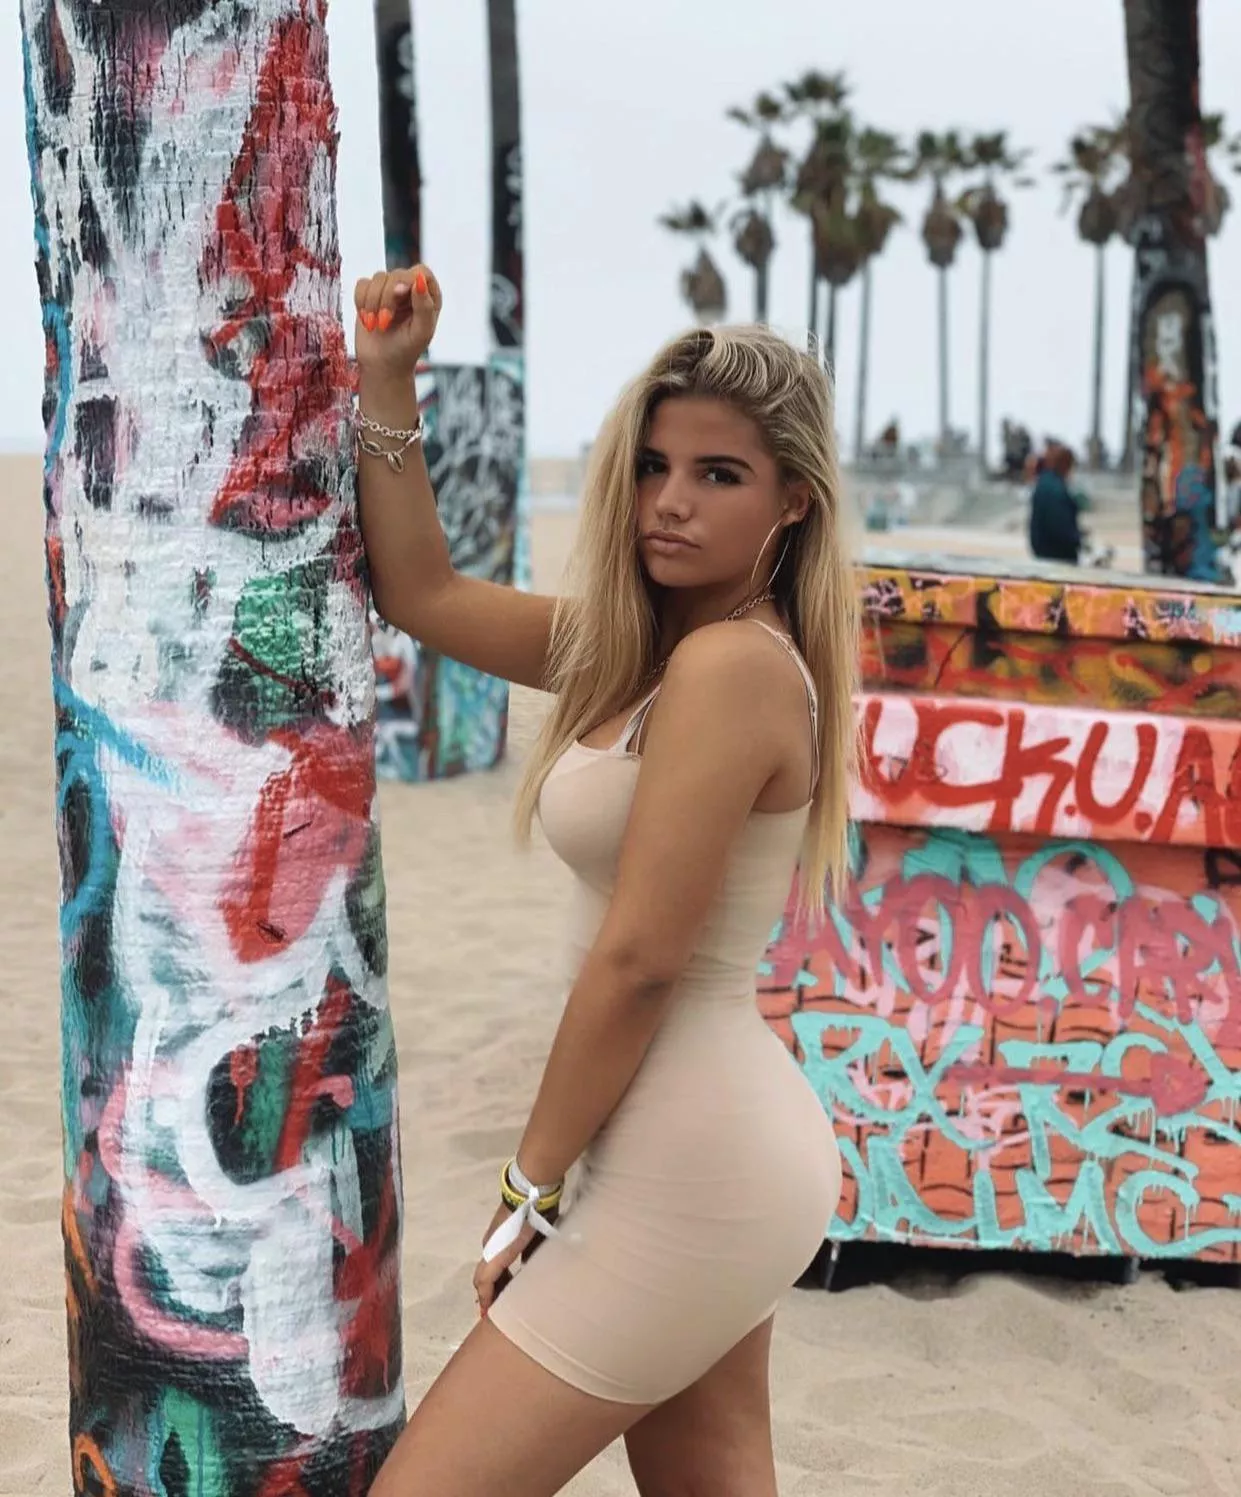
(709, 494)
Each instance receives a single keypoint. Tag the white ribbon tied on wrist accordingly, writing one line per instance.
(508, 1232)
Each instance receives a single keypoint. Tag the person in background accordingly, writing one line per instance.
(1055, 532)
(1232, 486)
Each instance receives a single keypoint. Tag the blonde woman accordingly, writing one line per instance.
(700, 745)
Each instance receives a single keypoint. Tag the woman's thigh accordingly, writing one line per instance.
(713, 1440)
(496, 1422)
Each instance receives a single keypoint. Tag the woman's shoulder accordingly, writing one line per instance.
(733, 647)
(730, 664)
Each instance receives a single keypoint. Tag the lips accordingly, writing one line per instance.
(665, 540)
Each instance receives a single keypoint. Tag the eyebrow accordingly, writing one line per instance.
(706, 459)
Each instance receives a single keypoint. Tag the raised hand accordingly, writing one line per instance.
(398, 311)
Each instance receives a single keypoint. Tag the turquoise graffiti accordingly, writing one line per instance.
(1026, 1044)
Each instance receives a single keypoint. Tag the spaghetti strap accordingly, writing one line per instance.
(812, 696)
(632, 729)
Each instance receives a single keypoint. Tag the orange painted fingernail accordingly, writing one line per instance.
(420, 283)
(385, 319)
(368, 321)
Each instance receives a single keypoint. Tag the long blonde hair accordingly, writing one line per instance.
(605, 636)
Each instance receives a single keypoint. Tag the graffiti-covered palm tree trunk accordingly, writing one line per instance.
(1173, 349)
(437, 717)
(399, 162)
(508, 251)
(232, 1198)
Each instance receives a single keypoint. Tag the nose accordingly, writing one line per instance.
(672, 503)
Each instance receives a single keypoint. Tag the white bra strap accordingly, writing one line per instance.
(812, 696)
(633, 727)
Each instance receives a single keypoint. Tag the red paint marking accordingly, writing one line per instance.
(912, 782)
(310, 820)
(370, 1278)
(1174, 1086)
(308, 1082)
(299, 369)
(243, 1070)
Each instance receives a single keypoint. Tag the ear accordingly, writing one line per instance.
(797, 493)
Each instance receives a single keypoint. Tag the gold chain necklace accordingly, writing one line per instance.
(737, 613)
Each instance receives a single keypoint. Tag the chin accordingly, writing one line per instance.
(672, 571)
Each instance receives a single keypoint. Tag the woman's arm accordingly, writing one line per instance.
(716, 740)
(495, 629)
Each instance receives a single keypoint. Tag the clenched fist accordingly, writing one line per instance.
(397, 315)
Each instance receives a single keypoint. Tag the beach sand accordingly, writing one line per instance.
(999, 1387)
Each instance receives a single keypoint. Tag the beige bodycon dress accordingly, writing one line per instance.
(711, 1187)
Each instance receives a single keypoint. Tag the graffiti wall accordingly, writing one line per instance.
(1025, 1016)
(232, 1202)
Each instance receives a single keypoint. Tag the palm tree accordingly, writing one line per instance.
(1090, 173)
(879, 157)
(940, 159)
(838, 256)
(231, 1209)
(400, 166)
(762, 181)
(702, 285)
(1170, 202)
(822, 192)
(988, 212)
(820, 98)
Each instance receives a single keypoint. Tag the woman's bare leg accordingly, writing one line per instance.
(713, 1440)
(495, 1424)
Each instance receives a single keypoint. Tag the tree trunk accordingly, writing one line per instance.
(439, 718)
(400, 168)
(984, 368)
(762, 280)
(945, 419)
(1172, 310)
(812, 323)
(508, 278)
(863, 374)
(508, 255)
(829, 339)
(232, 1201)
(1100, 319)
(1132, 364)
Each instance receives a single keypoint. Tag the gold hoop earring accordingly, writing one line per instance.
(761, 549)
(788, 541)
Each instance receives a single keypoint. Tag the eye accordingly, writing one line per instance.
(648, 465)
(717, 474)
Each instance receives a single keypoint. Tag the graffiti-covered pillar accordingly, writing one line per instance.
(398, 132)
(437, 717)
(1173, 337)
(508, 249)
(232, 1191)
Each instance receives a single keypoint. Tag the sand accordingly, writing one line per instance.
(1000, 1387)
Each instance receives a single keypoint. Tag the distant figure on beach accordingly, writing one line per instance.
(1018, 446)
(698, 752)
(1055, 531)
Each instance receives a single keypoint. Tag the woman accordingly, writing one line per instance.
(701, 739)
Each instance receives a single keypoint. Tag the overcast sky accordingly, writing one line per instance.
(624, 114)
